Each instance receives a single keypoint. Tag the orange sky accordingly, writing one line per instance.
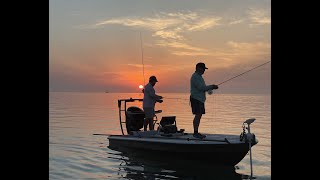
(96, 46)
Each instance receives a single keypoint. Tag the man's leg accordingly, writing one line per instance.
(151, 127)
(145, 124)
(197, 110)
(196, 123)
(149, 114)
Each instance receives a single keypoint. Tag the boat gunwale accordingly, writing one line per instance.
(173, 140)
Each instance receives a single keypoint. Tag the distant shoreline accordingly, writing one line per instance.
(159, 93)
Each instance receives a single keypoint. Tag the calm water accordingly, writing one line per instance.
(74, 153)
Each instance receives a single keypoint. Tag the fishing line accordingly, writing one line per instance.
(213, 99)
(142, 61)
(214, 112)
(244, 73)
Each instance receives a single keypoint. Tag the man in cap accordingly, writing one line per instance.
(149, 100)
(198, 96)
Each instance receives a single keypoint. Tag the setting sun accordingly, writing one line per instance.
(140, 86)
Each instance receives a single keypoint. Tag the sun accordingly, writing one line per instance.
(140, 86)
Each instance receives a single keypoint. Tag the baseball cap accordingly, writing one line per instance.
(201, 65)
(153, 78)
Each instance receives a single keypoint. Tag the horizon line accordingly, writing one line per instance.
(268, 93)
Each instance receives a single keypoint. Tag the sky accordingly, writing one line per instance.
(116, 45)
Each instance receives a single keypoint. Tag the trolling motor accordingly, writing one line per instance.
(248, 137)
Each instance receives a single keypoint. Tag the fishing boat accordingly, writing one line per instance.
(169, 141)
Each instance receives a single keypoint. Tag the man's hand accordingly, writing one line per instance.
(160, 97)
(214, 86)
(160, 101)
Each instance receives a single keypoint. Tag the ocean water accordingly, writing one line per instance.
(75, 153)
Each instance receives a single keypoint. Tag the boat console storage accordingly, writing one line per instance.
(134, 119)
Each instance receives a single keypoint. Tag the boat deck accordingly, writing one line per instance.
(179, 138)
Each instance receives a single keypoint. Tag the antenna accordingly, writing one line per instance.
(142, 61)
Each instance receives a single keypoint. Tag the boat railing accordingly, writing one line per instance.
(124, 110)
(124, 102)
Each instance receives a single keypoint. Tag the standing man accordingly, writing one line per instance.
(149, 100)
(198, 96)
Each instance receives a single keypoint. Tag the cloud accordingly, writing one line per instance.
(236, 22)
(166, 24)
(239, 53)
(148, 23)
(255, 48)
(168, 34)
(259, 16)
(194, 53)
(234, 54)
(139, 65)
(184, 16)
(178, 45)
(236, 49)
(204, 24)
(109, 74)
(182, 49)
(75, 13)
(170, 28)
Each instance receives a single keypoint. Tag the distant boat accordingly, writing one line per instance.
(106, 91)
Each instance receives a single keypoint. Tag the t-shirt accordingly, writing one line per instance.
(198, 87)
(150, 97)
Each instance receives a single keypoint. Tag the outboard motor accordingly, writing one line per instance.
(134, 119)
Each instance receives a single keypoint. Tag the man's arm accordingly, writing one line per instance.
(152, 94)
(199, 84)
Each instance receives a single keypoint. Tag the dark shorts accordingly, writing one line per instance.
(197, 106)
(149, 112)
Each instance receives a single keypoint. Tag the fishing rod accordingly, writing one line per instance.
(243, 73)
(142, 60)
(101, 134)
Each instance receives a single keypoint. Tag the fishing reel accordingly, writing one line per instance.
(210, 92)
(247, 136)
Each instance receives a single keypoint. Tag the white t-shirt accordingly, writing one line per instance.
(150, 97)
